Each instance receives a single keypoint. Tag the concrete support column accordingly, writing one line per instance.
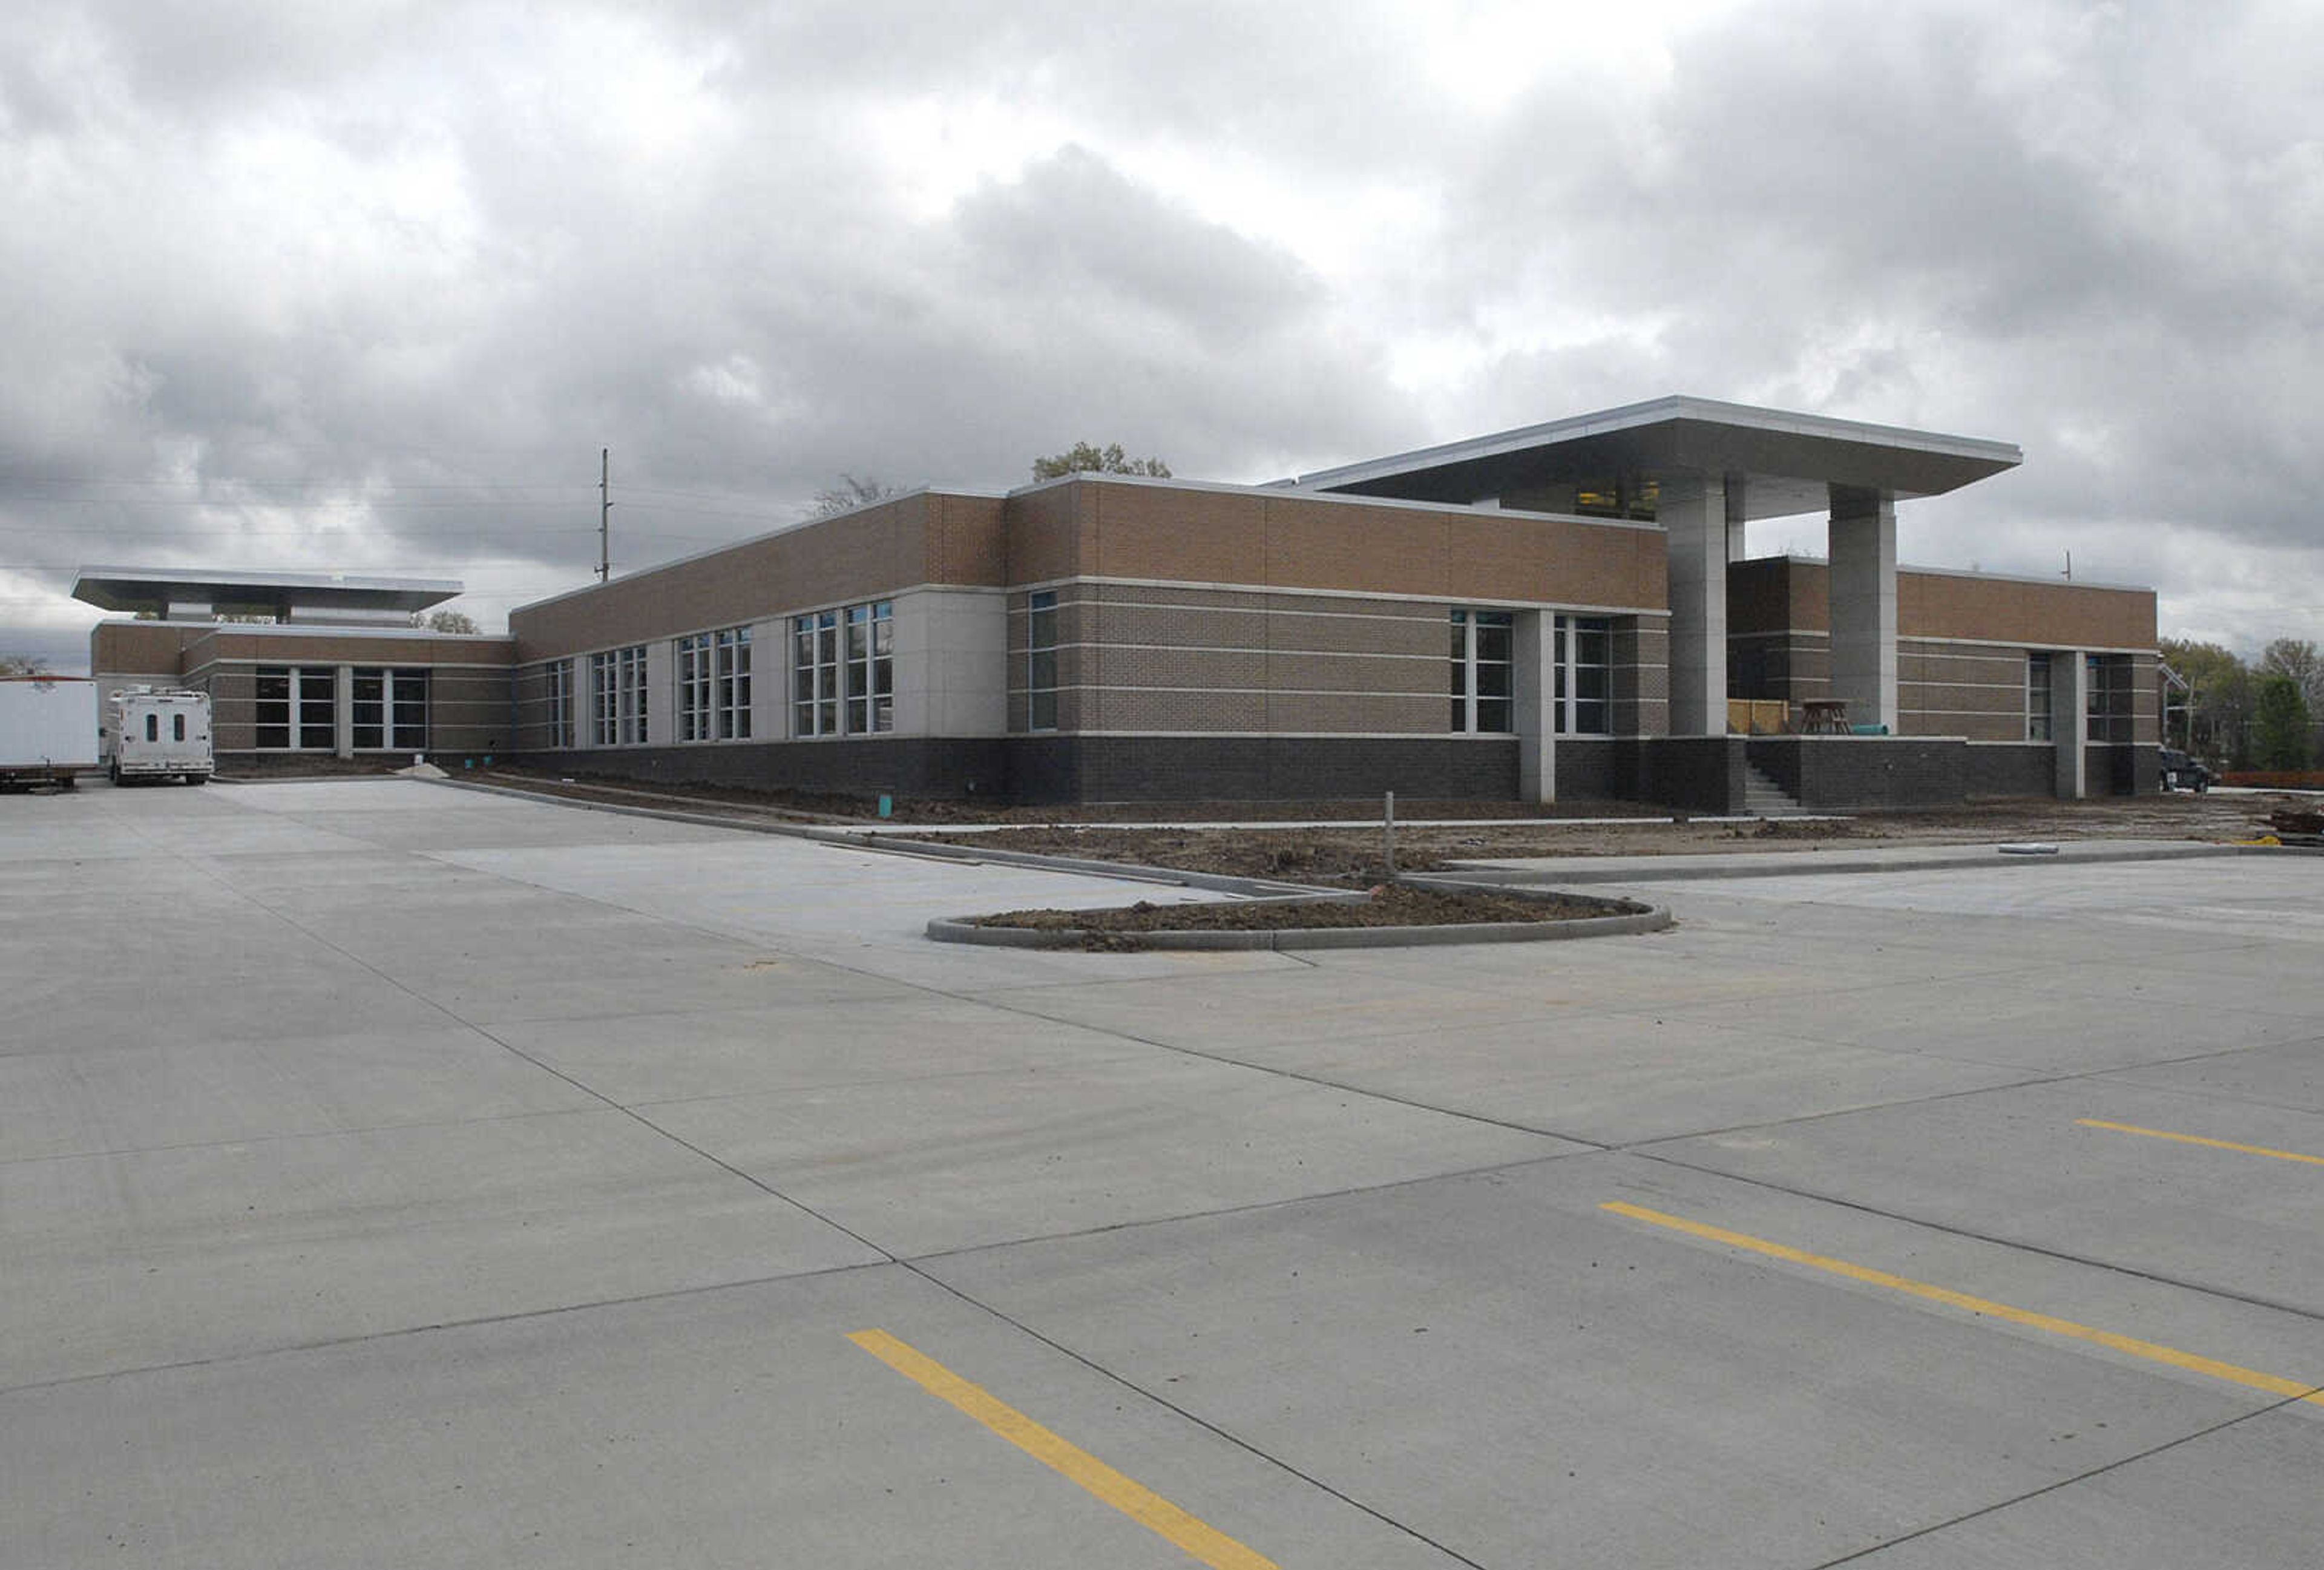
(2069, 698)
(1863, 548)
(1694, 514)
(1534, 682)
(1736, 550)
(342, 712)
(662, 693)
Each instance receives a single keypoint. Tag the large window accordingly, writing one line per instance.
(1041, 661)
(2108, 704)
(390, 709)
(713, 686)
(296, 707)
(618, 689)
(1581, 672)
(1582, 656)
(843, 671)
(871, 668)
(2037, 696)
(815, 674)
(560, 703)
(1481, 651)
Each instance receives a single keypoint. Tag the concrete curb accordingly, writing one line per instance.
(851, 840)
(1750, 865)
(965, 929)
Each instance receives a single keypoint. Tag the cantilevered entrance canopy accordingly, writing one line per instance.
(341, 599)
(1788, 463)
(1702, 469)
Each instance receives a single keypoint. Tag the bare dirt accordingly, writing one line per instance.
(1353, 857)
(1390, 906)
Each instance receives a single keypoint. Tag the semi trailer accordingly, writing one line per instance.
(48, 729)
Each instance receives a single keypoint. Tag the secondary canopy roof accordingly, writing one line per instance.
(1788, 462)
(278, 594)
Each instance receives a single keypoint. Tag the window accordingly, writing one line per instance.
(1041, 661)
(177, 728)
(843, 671)
(152, 727)
(2108, 703)
(1581, 672)
(296, 706)
(691, 658)
(618, 689)
(815, 674)
(388, 709)
(1481, 651)
(714, 685)
(560, 703)
(1583, 660)
(407, 710)
(871, 668)
(731, 697)
(2037, 697)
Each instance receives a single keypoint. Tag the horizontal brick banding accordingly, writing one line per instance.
(1045, 769)
(929, 766)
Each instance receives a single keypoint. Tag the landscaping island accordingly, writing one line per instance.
(1392, 914)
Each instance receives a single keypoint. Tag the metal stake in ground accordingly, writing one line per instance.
(1387, 835)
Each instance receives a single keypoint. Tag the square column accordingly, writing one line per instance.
(1862, 536)
(1693, 511)
(1533, 677)
(1737, 548)
(2069, 698)
(342, 712)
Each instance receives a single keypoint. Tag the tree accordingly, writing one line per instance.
(851, 494)
(22, 665)
(2280, 724)
(2220, 712)
(1081, 459)
(446, 622)
(2297, 658)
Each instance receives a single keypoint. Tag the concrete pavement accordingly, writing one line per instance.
(392, 1175)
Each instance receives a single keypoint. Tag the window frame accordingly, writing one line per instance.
(1473, 630)
(617, 697)
(1041, 645)
(560, 703)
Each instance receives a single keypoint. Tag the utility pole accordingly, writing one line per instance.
(604, 513)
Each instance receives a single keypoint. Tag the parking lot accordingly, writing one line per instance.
(398, 1174)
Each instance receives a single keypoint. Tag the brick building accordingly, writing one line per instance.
(1566, 612)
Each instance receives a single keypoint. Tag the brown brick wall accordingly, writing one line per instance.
(1778, 593)
(927, 537)
(468, 710)
(139, 651)
(1115, 529)
(329, 648)
(2040, 615)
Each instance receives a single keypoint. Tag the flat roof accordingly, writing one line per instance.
(155, 588)
(1789, 461)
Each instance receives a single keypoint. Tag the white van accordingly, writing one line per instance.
(158, 733)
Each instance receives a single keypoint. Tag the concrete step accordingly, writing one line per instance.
(1764, 798)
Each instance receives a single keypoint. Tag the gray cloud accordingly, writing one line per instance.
(369, 285)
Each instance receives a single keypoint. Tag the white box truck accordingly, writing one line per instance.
(158, 732)
(48, 729)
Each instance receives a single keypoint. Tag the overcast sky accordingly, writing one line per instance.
(365, 286)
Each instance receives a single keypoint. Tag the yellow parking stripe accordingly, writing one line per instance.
(2274, 1384)
(2200, 1140)
(1148, 1509)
